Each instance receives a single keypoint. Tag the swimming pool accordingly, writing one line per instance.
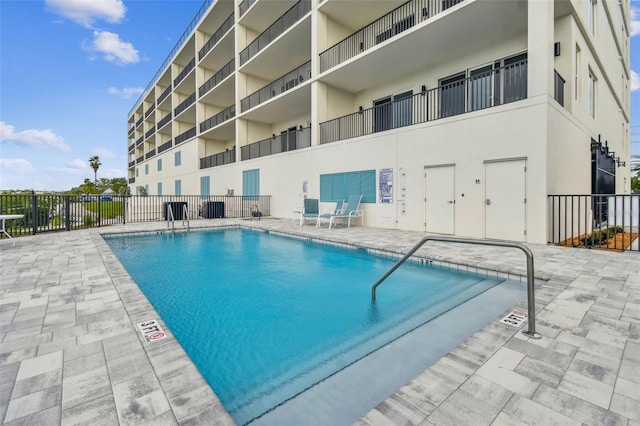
(266, 317)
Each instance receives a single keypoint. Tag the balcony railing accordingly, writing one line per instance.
(150, 110)
(287, 141)
(184, 104)
(220, 117)
(150, 154)
(186, 135)
(140, 159)
(164, 120)
(164, 94)
(140, 140)
(495, 87)
(219, 159)
(131, 130)
(132, 163)
(286, 21)
(165, 146)
(393, 23)
(187, 69)
(132, 146)
(139, 122)
(245, 5)
(217, 36)
(284, 83)
(132, 180)
(222, 73)
(150, 132)
(558, 87)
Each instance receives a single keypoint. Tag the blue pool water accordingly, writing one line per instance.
(265, 317)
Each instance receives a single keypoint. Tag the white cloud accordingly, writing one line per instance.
(103, 152)
(32, 138)
(112, 48)
(86, 12)
(16, 165)
(635, 81)
(78, 163)
(125, 92)
(635, 22)
(113, 173)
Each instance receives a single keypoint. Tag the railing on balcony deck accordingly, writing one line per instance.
(286, 141)
(164, 94)
(139, 122)
(150, 154)
(606, 222)
(150, 110)
(222, 73)
(245, 5)
(484, 90)
(140, 159)
(132, 180)
(186, 135)
(219, 159)
(184, 104)
(164, 120)
(140, 140)
(558, 87)
(131, 130)
(217, 36)
(132, 163)
(284, 22)
(220, 117)
(165, 146)
(281, 85)
(150, 132)
(132, 146)
(187, 69)
(393, 23)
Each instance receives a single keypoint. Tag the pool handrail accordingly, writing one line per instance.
(172, 219)
(531, 307)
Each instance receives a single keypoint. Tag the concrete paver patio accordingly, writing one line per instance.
(70, 352)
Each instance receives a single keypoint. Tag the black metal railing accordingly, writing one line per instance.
(186, 70)
(164, 94)
(558, 87)
(184, 104)
(220, 117)
(281, 85)
(150, 132)
(608, 222)
(222, 73)
(140, 140)
(245, 5)
(132, 146)
(165, 146)
(284, 22)
(217, 36)
(150, 110)
(132, 180)
(164, 120)
(131, 130)
(140, 159)
(186, 135)
(219, 159)
(286, 141)
(393, 23)
(483, 90)
(132, 163)
(150, 154)
(139, 122)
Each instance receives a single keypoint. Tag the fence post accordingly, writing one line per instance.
(34, 212)
(67, 211)
(99, 208)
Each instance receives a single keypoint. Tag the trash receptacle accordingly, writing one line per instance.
(213, 209)
(177, 209)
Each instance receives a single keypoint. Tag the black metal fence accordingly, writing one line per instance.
(48, 213)
(608, 222)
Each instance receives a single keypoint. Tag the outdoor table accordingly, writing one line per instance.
(4, 217)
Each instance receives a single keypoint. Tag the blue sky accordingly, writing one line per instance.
(70, 71)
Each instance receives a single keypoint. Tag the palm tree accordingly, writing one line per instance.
(95, 163)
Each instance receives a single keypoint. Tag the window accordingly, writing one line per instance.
(577, 66)
(177, 158)
(204, 185)
(159, 188)
(146, 189)
(146, 169)
(137, 172)
(178, 187)
(398, 27)
(591, 16)
(137, 190)
(393, 112)
(481, 87)
(452, 90)
(251, 182)
(159, 164)
(339, 186)
(592, 94)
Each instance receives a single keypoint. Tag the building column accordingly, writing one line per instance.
(540, 48)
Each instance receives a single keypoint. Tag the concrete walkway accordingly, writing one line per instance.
(70, 351)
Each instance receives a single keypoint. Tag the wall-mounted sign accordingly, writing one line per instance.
(386, 185)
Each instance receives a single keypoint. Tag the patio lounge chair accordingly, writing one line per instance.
(338, 209)
(310, 210)
(352, 210)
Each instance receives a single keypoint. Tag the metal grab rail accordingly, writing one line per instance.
(531, 307)
(172, 219)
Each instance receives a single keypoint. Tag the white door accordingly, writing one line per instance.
(505, 200)
(440, 199)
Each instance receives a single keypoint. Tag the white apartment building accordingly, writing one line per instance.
(455, 117)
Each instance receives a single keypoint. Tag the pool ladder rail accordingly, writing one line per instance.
(172, 220)
(531, 308)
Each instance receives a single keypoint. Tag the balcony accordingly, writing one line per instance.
(150, 132)
(139, 122)
(131, 130)
(164, 94)
(140, 140)
(165, 146)
(284, 22)
(225, 157)
(287, 141)
(484, 90)
(184, 104)
(187, 69)
(150, 154)
(220, 117)
(132, 163)
(217, 36)
(217, 78)
(382, 29)
(150, 110)
(140, 159)
(281, 85)
(132, 180)
(132, 146)
(186, 135)
(245, 5)
(558, 87)
(164, 120)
